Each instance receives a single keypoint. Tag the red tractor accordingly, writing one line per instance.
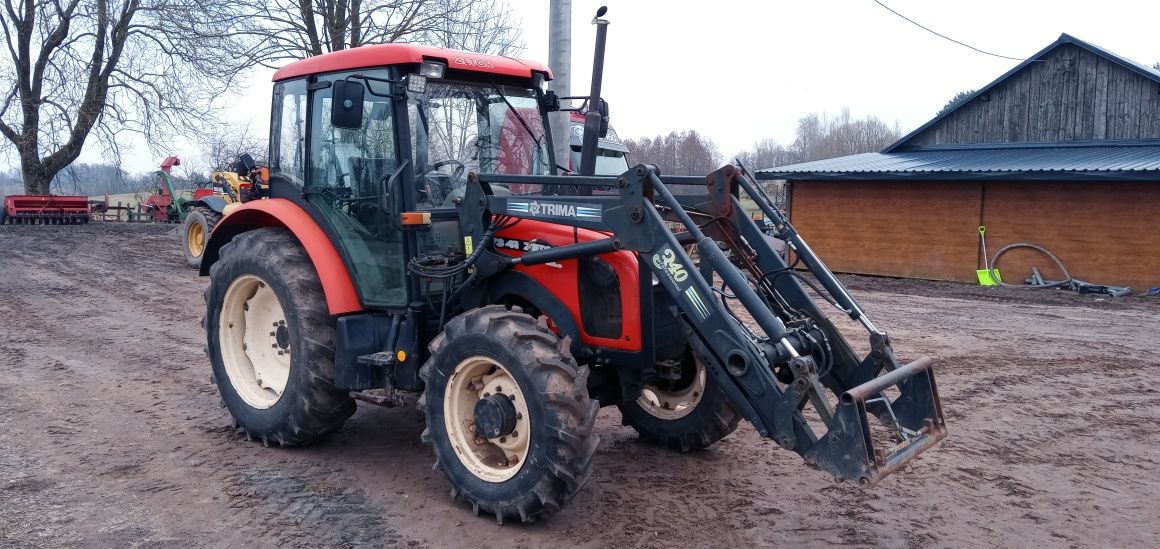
(393, 258)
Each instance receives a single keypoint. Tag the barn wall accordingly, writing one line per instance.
(906, 229)
(1105, 233)
(1072, 95)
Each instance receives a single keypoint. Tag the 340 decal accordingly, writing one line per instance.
(667, 260)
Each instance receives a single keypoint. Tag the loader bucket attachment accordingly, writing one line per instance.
(783, 365)
(914, 419)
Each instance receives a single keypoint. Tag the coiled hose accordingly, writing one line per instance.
(1067, 279)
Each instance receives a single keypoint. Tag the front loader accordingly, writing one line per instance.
(419, 246)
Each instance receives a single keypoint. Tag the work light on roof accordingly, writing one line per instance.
(431, 69)
(416, 83)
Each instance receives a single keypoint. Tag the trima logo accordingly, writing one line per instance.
(539, 208)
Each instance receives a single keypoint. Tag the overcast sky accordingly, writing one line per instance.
(738, 71)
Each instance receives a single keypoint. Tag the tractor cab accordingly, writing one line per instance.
(361, 136)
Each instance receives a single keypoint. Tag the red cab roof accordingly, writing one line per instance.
(378, 55)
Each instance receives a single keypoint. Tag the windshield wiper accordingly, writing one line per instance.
(519, 116)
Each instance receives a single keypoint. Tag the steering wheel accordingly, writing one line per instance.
(459, 168)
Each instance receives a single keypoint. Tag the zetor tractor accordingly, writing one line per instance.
(393, 259)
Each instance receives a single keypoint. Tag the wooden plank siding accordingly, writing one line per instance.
(1071, 94)
(1105, 233)
(905, 229)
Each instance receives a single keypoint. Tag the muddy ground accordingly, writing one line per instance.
(111, 433)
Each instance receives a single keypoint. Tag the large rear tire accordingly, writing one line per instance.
(195, 232)
(531, 391)
(688, 414)
(271, 340)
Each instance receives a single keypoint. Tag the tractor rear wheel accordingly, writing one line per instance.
(508, 414)
(271, 340)
(688, 414)
(195, 233)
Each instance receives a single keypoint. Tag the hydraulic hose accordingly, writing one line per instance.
(1067, 279)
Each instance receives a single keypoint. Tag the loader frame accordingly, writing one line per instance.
(770, 375)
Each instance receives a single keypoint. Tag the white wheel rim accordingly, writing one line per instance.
(491, 460)
(254, 341)
(669, 405)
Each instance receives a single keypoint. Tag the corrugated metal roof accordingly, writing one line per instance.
(1111, 161)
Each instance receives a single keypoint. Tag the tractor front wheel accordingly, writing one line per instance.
(690, 413)
(195, 233)
(508, 414)
(271, 340)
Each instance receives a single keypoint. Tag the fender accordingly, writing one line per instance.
(337, 284)
(523, 286)
(215, 203)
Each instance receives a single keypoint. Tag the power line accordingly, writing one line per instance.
(940, 35)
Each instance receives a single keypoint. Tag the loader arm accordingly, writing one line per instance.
(782, 376)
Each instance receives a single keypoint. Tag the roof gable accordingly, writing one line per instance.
(1067, 125)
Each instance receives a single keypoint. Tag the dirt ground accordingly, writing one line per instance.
(111, 434)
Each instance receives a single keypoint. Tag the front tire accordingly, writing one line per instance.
(195, 232)
(532, 393)
(685, 415)
(271, 340)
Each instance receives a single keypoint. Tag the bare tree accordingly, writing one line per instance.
(79, 67)
(683, 153)
(270, 32)
(767, 153)
(222, 149)
(820, 136)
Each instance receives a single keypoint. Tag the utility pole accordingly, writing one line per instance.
(560, 61)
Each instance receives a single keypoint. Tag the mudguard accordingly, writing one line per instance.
(337, 285)
(215, 203)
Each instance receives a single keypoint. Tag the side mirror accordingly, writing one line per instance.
(603, 118)
(346, 105)
(550, 102)
(245, 164)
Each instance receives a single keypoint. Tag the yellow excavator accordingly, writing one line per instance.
(226, 189)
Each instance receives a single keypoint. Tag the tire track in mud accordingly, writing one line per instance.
(114, 395)
(111, 434)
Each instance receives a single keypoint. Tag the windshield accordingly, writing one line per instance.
(608, 162)
(461, 127)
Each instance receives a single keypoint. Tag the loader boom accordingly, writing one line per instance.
(772, 374)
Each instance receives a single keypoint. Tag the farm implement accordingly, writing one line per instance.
(44, 210)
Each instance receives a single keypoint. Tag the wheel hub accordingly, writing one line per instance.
(255, 341)
(670, 403)
(487, 419)
(495, 416)
(282, 336)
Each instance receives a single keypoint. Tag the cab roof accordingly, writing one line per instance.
(378, 55)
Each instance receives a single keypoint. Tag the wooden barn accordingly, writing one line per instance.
(1062, 151)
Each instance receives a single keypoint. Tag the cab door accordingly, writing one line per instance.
(346, 181)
